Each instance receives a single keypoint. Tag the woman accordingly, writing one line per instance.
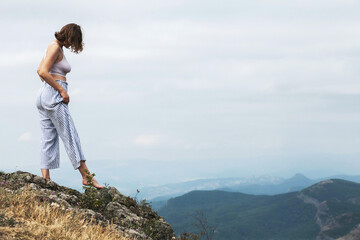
(52, 103)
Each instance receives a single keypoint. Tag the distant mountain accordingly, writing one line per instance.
(177, 189)
(298, 180)
(253, 185)
(295, 183)
(329, 209)
(342, 176)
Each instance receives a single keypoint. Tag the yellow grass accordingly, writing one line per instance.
(43, 221)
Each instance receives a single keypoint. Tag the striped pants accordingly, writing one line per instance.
(55, 121)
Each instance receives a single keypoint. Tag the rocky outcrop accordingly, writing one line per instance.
(331, 215)
(104, 205)
(321, 217)
(352, 235)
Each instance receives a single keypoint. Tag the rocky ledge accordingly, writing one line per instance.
(135, 219)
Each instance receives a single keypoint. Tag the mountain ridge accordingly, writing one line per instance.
(329, 209)
(177, 189)
(278, 185)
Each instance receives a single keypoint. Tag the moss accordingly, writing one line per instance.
(6, 222)
(93, 198)
(71, 192)
(152, 228)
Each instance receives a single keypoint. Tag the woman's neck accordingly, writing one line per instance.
(59, 43)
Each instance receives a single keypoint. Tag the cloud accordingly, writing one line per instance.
(19, 58)
(219, 82)
(148, 140)
(76, 91)
(26, 137)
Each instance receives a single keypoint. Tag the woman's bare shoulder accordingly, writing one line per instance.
(54, 45)
(53, 48)
(53, 51)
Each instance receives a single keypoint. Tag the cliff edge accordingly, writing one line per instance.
(104, 207)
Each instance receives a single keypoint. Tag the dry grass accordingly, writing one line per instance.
(40, 220)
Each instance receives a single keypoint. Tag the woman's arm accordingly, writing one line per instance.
(52, 54)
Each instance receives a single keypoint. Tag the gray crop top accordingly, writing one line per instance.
(60, 68)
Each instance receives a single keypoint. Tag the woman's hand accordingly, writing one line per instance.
(65, 96)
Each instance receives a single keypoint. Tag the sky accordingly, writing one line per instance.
(171, 91)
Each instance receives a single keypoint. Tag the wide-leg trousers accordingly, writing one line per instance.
(55, 121)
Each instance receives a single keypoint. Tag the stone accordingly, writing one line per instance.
(128, 216)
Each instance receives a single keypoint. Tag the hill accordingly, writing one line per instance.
(32, 207)
(167, 191)
(295, 183)
(259, 185)
(328, 210)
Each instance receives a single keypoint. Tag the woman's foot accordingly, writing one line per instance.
(45, 173)
(85, 173)
(94, 183)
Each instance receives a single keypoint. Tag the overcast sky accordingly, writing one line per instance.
(169, 91)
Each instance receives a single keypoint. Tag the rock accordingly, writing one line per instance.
(103, 205)
(39, 180)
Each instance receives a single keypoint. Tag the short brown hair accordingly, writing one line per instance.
(70, 35)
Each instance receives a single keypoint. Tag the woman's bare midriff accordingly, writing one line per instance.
(58, 77)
